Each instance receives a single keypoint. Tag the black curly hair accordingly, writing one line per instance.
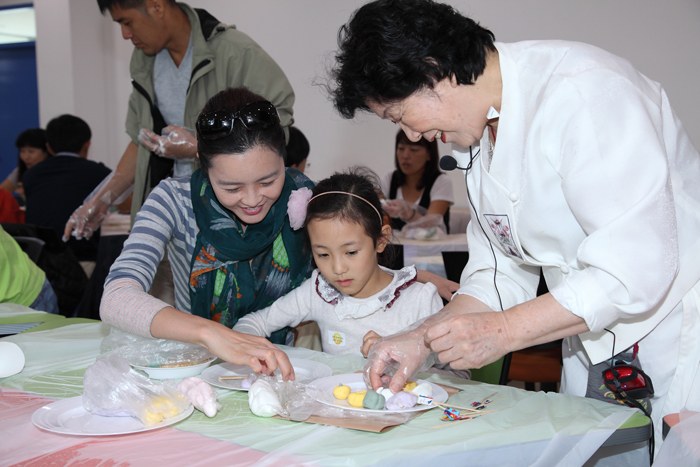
(392, 48)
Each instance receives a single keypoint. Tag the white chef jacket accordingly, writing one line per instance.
(593, 179)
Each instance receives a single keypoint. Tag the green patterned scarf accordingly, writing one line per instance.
(234, 273)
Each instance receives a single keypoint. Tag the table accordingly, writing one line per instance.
(532, 429)
(17, 318)
(427, 255)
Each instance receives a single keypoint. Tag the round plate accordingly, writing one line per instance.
(305, 371)
(178, 372)
(68, 417)
(356, 382)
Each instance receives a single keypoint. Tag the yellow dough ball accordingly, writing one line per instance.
(355, 399)
(341, 392)
(153, 418)
(410, 385)
(171, 413)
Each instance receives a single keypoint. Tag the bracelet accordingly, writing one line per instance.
(410, 218)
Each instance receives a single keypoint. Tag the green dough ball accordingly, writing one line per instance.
(373, 401)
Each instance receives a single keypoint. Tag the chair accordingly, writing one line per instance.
(494, 373)
(31, 246)
(62, 269)
(538, 364)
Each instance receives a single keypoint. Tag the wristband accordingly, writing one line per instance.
(410, 218)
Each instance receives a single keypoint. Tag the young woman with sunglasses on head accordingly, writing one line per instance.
(227, 235)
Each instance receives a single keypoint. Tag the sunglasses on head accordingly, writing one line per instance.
(253, 116)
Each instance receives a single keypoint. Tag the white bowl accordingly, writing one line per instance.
(178, 372)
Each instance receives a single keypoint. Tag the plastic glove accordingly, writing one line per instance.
(396, 359)
(404, 210)
(113, 190)
(176, 142)
(428, 227)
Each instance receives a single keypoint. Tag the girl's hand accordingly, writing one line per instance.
(368, 341)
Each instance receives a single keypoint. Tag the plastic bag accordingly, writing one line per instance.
(145, 351)
(429, 227)
(298, 402)
(111, 388)
(399, 357)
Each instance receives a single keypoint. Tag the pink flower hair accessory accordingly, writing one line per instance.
(296, 207)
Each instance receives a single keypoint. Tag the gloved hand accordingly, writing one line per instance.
(114, 189)
(176, 142)
(396, 359)
(404, 210)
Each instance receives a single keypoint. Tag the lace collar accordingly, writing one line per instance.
(347, 307)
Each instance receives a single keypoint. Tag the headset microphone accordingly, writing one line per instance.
(449, 163)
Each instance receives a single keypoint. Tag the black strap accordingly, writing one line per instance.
(159, 168)
(397, 224)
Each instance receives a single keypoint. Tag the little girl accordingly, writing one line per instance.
(350, 295)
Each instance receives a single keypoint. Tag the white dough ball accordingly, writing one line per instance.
(263, 400)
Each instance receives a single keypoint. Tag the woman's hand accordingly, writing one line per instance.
(470, 340)
(470, 335)
(229, 345)
(396, 358)
(243, 349)
(400, 208)
(368, 341)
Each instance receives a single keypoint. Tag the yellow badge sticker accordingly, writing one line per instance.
(336, 338)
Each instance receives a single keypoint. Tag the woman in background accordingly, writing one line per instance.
(32, 150)
(417, 181)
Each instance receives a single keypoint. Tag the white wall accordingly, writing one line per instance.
(90, 77)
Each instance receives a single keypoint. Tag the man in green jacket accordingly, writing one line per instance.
(182, 57)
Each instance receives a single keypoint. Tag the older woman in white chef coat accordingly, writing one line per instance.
(583, 170)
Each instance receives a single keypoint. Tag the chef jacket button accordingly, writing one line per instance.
(565, 269)
(514, 196)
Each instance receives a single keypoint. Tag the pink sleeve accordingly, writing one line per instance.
(125, 305)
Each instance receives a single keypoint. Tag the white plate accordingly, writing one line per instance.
(356, 382)
(305, 371)
(178, 372)
(68, 417)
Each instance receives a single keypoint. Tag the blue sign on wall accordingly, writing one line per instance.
(19, 96)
